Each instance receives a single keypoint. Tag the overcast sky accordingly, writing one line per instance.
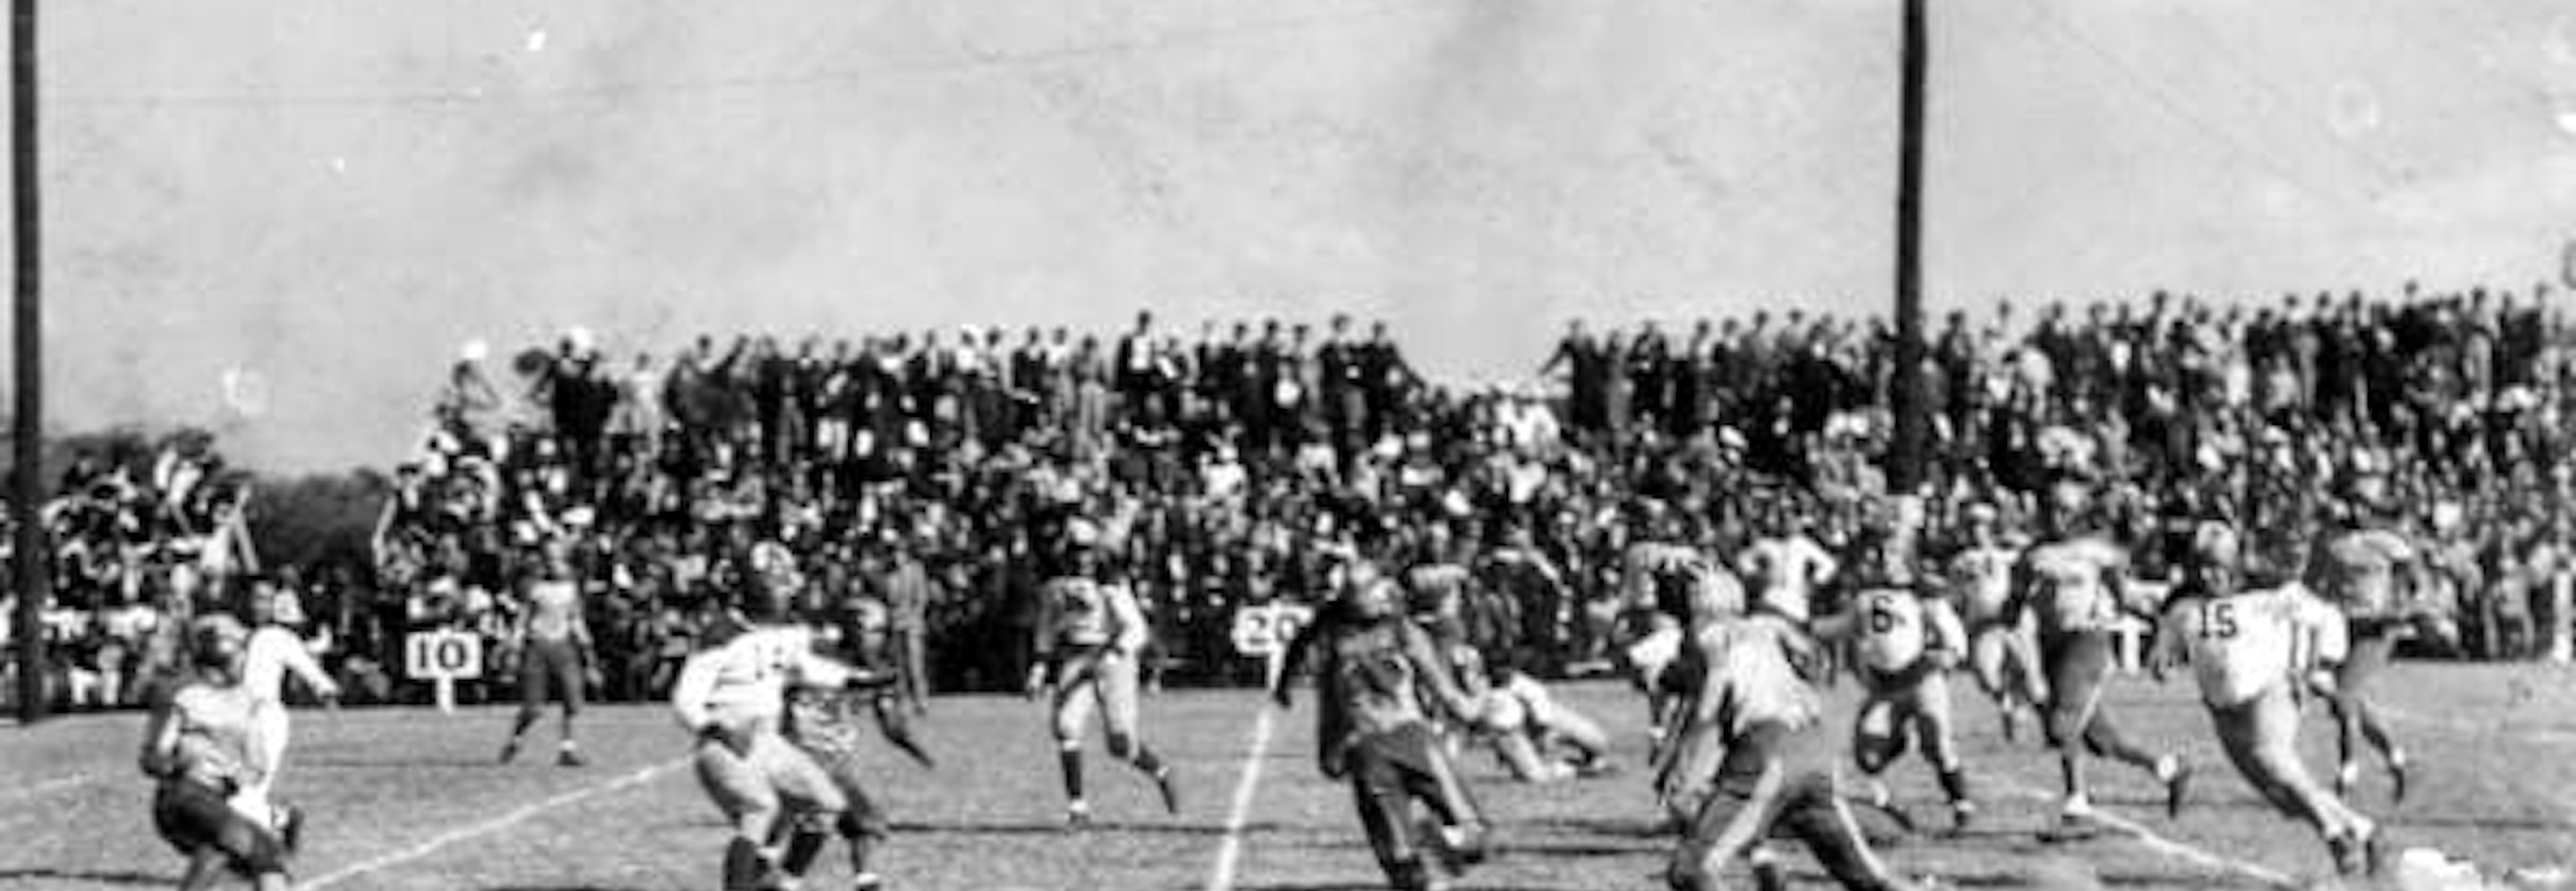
(333, 194)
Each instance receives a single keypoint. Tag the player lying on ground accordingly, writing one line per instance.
(201, 745)
(733, 695)
(1906, 640)
(2251, 644)
(1519, 717)
(1089, 633)
(1374, 668)
(1747, 764)
(1526, 725)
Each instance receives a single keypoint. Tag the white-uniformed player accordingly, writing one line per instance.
(1784, 570)
(273, 652)
(2003, 655)
(733, 695)
(2251, 645)
(1090, 631)
(1906, 640)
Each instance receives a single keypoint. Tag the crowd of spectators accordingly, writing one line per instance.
(139, 531)
(942, 475)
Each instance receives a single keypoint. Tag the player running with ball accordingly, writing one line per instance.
(2251, 644)
(1906, 641)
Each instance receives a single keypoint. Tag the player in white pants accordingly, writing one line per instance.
(733, 695)
(273, 651)
(2251, 648)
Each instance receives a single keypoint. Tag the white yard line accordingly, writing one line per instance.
(1230, 851)
(2162, 845)
(490, 826)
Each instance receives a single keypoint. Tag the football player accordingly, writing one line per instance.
(1669, 592)
(2072, 579)
(1785, 569)
(1906, 639)
(201, 745)
(1746, 766)
(2002, 655)
(554, 646)
(1374, 728)
(273, 652)
(733, 695)
(1089, 633)
(2371, 573)
(2252, 643)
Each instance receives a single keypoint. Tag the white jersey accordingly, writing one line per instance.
(2069, 584)
(743, 682)
(1983, 578)
(2241, 645)
(272, 652)
(1786, 571)
(1897, 629)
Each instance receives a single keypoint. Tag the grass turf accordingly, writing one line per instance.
(411, 799)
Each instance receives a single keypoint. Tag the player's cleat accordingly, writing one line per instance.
(2177, 791)
(569, 758)
(290, 827)
(1963, 817)
(1077, 815)
(2356, 852)
(1769, 875)
(2075, 822)
(1170, 785)
(866, 881)
(509, 751)
(2347, 775)
(2397, 777)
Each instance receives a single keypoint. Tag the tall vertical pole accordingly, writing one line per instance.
(1905, 473)
(28, 247)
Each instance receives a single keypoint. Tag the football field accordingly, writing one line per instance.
(412, 799)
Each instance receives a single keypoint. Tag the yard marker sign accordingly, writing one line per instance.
(443, 657)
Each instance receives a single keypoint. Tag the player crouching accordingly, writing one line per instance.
(2250, 646)
(1745, 763)
(733, 697)
(1373, 728)
(202, 745)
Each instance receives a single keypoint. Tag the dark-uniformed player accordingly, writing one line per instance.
(2373, 575)
(201, 746)
(1747, 766)
(1374, 670)
(2073, 579)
